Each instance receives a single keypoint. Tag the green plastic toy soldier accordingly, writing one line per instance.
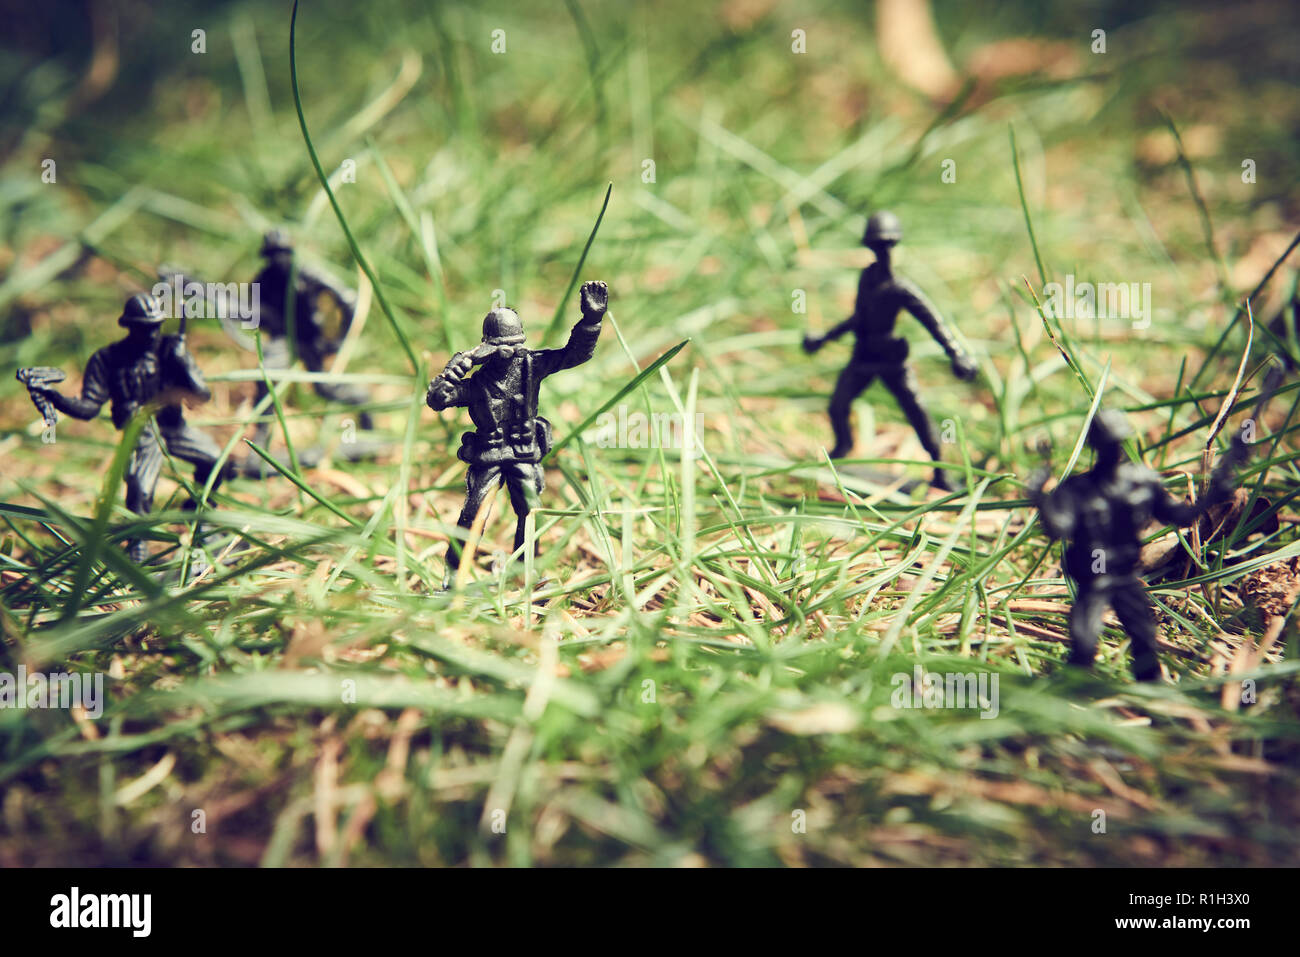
(510, 438)
(877, 352)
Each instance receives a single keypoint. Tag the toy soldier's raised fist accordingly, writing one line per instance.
(595, 299)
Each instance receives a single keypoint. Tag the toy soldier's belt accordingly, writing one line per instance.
(881, 350)
(524, 441)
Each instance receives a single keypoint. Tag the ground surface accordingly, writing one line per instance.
(700, 667)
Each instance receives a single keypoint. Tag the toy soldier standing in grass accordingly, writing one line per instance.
(1104, 512)
(313, 344)
(511, 438)
(145, 367)
(878, 352)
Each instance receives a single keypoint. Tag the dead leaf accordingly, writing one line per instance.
(828, 717)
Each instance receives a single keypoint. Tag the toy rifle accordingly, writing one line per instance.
(221, 305)
(38, 379)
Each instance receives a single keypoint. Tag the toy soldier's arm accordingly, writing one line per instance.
(594, 299)
(94, 392)
(1222, 483)
(914, 301)
(185, 373)
(447, 390)
(1055, 511)
(812, 343)
(1172, 512)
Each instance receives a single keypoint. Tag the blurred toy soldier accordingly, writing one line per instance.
(878, 352)
(511, 438)
(1284, 326)
(146, 367)
(1104, 512)
(310, 338)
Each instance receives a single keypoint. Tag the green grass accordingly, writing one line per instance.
(697, 667)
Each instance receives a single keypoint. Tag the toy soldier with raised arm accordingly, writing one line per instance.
(1103, 513)
(510, 438)
(145, 367)
(310, 339)
(877, 351)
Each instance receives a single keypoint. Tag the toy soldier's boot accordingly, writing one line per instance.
(843, 431)
(1134, 612)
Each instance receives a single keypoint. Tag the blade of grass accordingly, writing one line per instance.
(577, 270)
(334, 203)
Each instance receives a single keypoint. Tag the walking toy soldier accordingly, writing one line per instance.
(878, 352)
(1103, 512)
(143, 368)
(511, 438)
(313, 343)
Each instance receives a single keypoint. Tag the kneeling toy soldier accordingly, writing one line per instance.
(312, 343)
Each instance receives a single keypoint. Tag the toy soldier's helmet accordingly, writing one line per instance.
(276, 241)
(141, 310)
(1109, 429)
(883, 228)
(502, 327)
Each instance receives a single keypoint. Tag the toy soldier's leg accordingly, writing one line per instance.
(853, 381)
(1133, 609)
(902, 383)
(142, 471)
(1085, 625)
(337, 391)
(479, 481)
(198, 449)
(524, 483)
(275, 356)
